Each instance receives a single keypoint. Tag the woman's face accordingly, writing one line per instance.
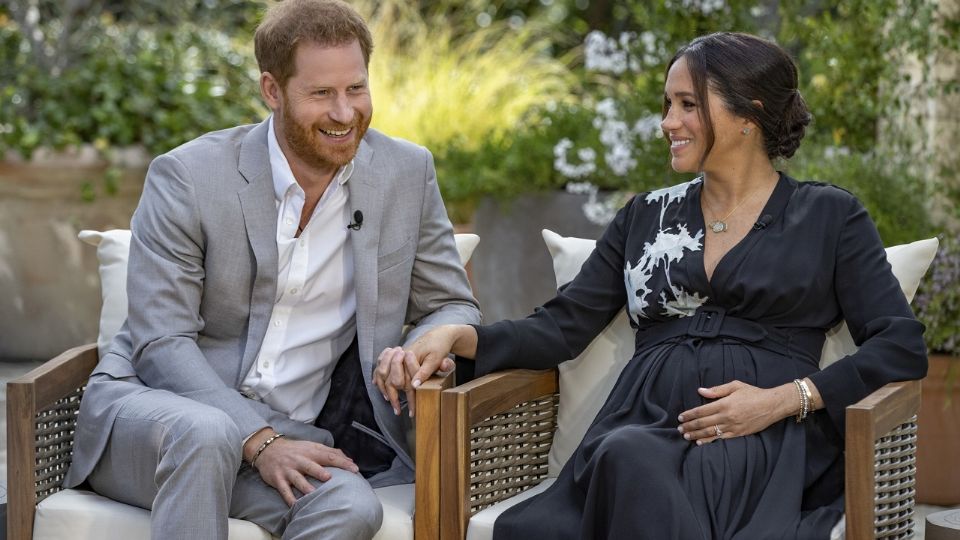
(685, 131)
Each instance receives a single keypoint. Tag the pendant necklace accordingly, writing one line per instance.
(719, 225)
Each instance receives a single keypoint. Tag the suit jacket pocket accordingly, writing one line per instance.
(395, 257)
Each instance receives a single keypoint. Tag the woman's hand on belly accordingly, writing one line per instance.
(740, 409)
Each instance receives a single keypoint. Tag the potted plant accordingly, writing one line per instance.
(938, 307)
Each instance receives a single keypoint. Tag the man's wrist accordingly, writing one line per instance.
(254, 441)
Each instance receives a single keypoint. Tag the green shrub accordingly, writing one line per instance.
(127, 83)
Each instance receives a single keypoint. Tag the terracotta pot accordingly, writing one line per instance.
(938, 446)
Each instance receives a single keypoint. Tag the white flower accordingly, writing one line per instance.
(609, 55)
(703, 6)
(648, 127)
(832, 152)
(606, 109)
(587, 157)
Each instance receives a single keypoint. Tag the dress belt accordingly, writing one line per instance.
(710, 322)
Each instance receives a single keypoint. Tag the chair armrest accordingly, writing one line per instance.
(881, 446)
(42, 409)
(426, 516)
(496, 435)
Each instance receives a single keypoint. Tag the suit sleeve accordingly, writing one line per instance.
(563, 327)
(439, 290)
(165, 286)
(880, 321)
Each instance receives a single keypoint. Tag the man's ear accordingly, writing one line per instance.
(270, 90)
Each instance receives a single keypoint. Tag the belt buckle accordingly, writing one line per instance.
(707, 322)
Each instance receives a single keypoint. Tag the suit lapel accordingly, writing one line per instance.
(365, 197)
(257, 202)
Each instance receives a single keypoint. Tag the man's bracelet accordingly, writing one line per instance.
(263, 446)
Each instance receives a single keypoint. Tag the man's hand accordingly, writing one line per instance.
(404, 370)
(285, 464)
(739, 409)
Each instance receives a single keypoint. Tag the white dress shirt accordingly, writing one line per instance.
(313, 320)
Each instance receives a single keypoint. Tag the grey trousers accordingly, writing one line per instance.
(182, 460)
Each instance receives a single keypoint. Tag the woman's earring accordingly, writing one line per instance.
(745, 131)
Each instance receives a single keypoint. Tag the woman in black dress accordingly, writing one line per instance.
(722, 425)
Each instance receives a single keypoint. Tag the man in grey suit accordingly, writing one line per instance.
(270, 265)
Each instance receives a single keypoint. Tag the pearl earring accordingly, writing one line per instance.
(745, 131)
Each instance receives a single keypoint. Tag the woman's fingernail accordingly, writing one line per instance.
(686, 436)
(680, 429)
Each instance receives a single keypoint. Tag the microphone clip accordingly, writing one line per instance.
(357, 221)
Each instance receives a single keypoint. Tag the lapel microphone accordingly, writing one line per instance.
(357, 221)
(761, 223)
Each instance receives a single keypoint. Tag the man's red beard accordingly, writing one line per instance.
(308, 144)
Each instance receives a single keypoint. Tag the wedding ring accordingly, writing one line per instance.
(718, 430)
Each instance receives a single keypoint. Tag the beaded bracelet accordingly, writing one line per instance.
(263, 446)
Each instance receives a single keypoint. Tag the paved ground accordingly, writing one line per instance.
(10, 370)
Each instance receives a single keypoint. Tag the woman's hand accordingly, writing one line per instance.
(404, 370)
(740, 409)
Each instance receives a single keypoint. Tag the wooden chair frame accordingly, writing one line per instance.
(42, 408)
(880, 451)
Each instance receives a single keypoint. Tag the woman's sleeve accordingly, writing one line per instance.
(880, 321)
(563, 327)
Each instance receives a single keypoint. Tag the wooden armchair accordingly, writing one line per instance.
(42, 409)
(497, 432)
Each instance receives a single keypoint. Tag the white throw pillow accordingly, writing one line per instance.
(113, 248)
(586, 380)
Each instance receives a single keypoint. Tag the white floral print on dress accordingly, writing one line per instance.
(670, 245)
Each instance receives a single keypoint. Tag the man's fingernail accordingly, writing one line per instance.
(680, 429)
(680, 418)
(411, 414)
(416, 383)
(396, 411)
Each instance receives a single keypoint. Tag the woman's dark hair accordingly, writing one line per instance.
(741, 69)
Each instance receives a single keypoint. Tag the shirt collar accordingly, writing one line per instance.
(283, 179)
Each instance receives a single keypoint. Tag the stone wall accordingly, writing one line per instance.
(49, 285)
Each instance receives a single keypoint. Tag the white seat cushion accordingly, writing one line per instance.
(481, 524)
(82, 515)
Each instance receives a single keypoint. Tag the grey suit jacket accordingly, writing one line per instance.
(202, 280)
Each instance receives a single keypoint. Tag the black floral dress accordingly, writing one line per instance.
(813, 258)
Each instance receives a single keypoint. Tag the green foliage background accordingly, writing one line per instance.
(157, 73)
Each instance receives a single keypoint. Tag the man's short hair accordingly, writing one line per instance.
(328, 23)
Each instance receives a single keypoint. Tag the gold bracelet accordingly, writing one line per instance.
(802, 412)
(263, 446)
(808, 397)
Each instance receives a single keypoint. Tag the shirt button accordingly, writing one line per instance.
(303, 243)
(294, 290)
(289, 221)
(266, 363)
(276, 322)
